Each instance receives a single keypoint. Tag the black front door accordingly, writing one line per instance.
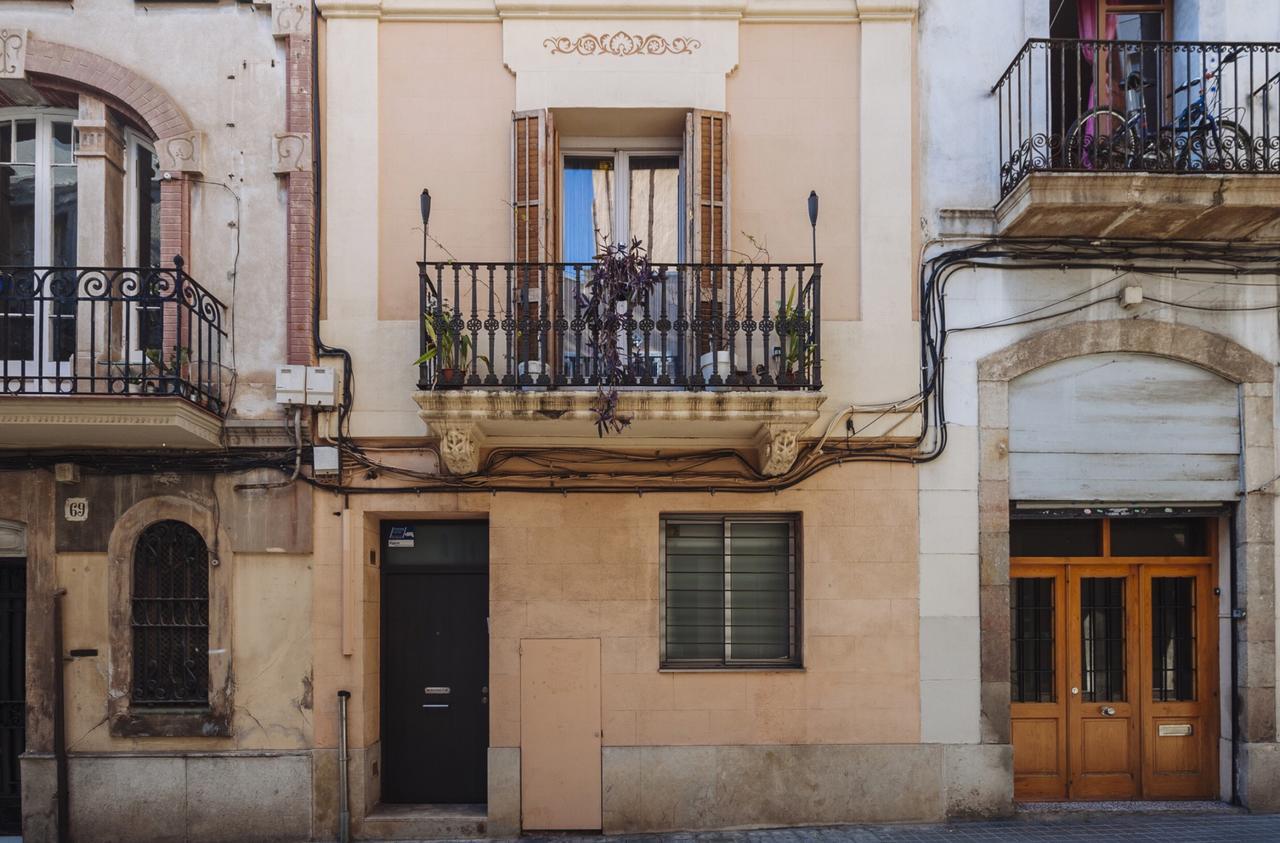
(435, 661)
(13, 707)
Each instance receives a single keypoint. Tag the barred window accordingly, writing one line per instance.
(171, 617)
(730, 592)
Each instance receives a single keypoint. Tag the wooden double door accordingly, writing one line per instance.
(1114, 675)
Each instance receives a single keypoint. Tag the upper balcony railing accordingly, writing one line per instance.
(513, 325)
(112, 332)
(1068, 105)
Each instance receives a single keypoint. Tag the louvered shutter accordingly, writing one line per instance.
(707, 194)
(535, 200)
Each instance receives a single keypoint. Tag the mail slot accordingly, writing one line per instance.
(434, 690)
(1175, 730)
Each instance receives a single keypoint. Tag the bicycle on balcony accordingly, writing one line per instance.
(1202, 137)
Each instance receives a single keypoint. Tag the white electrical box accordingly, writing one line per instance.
(291, 384)
(1131, 296)
(324, 461)
(321, 387)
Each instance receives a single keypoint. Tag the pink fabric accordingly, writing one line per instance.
(1087, 13)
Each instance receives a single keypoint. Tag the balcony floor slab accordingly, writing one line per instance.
(1200, 206)
(76, 421)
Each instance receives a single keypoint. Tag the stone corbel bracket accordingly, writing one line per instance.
(182, 153)
(291, 152)
(777, 446)
(460, 446)
(13, 53)
(289, 17)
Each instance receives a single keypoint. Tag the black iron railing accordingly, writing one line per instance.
(1138, 106)
(700, 325)
(111, 331)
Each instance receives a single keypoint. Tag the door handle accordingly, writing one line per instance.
(436, 705)
(1108, 711)
(1075, 691)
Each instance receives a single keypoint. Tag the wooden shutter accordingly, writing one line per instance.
(707, 184)
(535, 194)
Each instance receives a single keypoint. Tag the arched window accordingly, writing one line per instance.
(170, 617)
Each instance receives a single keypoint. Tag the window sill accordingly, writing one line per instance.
(734, 668)
(171, 723)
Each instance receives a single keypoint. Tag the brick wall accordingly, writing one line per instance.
(301, 217)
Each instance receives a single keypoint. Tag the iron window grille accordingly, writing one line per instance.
(171, 617)
(1032, 618)
(730, 591)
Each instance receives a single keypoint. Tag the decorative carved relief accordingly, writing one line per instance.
(289, 17)
(181, 153)
(460, 447)
(13, 53)
(621, 44)
(777, 447)
(99, 139)
(291, 152)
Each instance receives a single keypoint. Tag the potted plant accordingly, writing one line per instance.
(451, 350)
(794, 357)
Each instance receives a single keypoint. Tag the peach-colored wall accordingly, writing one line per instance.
(793, 112)
(445, 103)
(586, 566)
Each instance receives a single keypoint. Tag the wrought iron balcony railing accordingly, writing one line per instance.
(111, 331)
(1069, 105)
(513, 325)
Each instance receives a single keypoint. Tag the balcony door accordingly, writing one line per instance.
(38, 216)
(1113, 659)
(614, 197)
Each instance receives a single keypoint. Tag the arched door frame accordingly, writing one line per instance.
(1259, 760)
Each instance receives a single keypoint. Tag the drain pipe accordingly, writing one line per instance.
(344, 809)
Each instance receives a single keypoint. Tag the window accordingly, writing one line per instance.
(38, 199)
(730, 591)
(170, 621)
(142, 242)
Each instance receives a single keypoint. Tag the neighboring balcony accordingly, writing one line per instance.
(710, 355)
(110, 357)
(1139, 139)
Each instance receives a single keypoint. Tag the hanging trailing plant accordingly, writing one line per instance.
(622, 274)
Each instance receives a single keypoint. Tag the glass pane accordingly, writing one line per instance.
(588, 206)
(17, 215)
(695, 591)
(1102, 636)
(17, 323)
(147, 186)
(1055, 537)
(1135, 26)
(62, 143)
(1173, 638)
(1160, 537)
(64, 216)
(436, 544)
(655, 205)
(1032, 622)
(24, 151)
(759, 583)
(6, 142)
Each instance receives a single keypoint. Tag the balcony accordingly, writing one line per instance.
(1139, 139)
(110, 357)
(707, 355)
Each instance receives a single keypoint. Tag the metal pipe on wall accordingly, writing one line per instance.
(344, 809)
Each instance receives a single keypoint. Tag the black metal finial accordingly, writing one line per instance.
(424, 204)
(813, 221)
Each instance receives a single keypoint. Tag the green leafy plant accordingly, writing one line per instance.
(797, 349)
(450, 348)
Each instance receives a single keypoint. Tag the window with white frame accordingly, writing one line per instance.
(615, 192)
(38, 211)
(730, 591)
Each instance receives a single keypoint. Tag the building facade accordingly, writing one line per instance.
(157, 268)
(650, 415)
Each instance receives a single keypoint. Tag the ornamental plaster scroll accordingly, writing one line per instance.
(777, 446)
(181, 153)
(289, 17)
(621, 44)
(13, 53)
(460, 447)
(291, 152)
